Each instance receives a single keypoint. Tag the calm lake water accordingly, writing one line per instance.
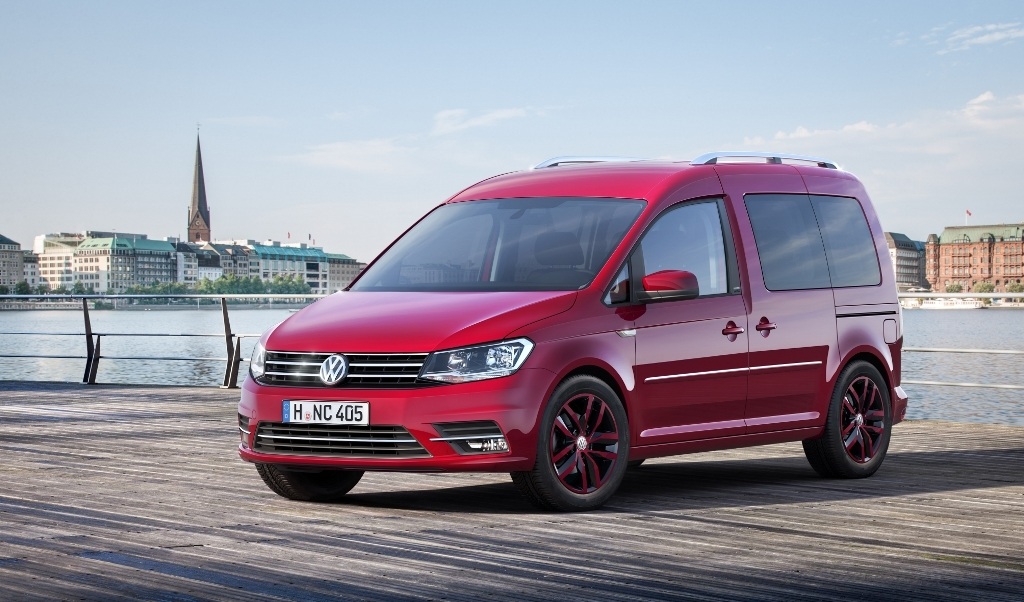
(965, 329)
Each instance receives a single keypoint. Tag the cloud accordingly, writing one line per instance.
(982, 35)
(381, 155)
(456, 120)
(246, 121)
(922, 172)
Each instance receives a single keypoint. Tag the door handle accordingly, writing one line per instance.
(732, 331)
(765, 327)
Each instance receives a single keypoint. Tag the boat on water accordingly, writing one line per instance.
(949, 303)
(910, 303)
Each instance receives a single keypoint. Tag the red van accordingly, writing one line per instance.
(567, 322)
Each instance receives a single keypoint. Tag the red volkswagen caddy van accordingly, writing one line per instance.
(569, 321)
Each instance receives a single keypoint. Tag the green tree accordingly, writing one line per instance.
(22, 288)
(954, 288)
(4, 289)
(984, 287)
(1015, 288)
(79, 288)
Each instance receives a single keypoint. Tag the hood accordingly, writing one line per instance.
(397, 322)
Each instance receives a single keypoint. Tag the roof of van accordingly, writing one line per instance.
(633, 179)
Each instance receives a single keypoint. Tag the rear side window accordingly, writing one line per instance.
(848, 244)
(788, 242)
(807, 242)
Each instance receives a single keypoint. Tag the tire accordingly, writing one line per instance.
(582, 448)
(308, 485)
(858, 426)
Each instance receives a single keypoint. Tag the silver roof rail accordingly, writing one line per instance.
(712, 158)
(556, 161)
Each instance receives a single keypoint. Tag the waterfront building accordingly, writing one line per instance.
(341, 270)
(199, 212)
(186, 263)
(112, 264)
(324, 272)
(30, 272)
(969, 255)
(908, 261)
(209, 266)
(56, 253)
(12, 262)
(233, 259)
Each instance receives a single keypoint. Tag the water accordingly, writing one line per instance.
(974, 329)
(194, 321)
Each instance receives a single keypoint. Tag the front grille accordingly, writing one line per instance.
(365, 370)
(334, 440)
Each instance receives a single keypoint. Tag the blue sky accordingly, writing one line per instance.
(348, 120)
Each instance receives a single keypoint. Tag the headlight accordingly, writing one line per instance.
(258, 363)
(477, 363)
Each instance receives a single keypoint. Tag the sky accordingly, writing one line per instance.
(343, 122)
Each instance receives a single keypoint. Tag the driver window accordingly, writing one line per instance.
(688, 238)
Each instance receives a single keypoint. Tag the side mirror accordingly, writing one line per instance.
(669, 285)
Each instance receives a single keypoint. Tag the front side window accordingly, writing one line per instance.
(557, 243)
(688, 238)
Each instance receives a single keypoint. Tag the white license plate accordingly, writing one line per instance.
(326, 412)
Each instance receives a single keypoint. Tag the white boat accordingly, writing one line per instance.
(910, 303)
(948, 303)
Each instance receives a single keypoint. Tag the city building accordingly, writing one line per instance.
(199, 212)
(969, 255)
(56, 253)
(30, 274)
(12, 262)
(908, 261)
(186, 262)
(341, 270)
(233, 259)
(112, 264)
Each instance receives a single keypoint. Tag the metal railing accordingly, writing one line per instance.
(921, 295)
(93, 339)
(232, 340)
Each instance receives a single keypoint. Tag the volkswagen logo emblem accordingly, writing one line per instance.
(334, 369)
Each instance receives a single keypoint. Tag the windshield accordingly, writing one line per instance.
(533, 244)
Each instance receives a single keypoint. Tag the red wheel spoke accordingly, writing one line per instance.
(581, 466)
(868, 444)
(848, 404)
(568, 467)
(561, 426)
(605, 438)
(568, 449)
(852, 440)
(604, 454)
(585, 416)
(848, 429)
(597, 477)
(596, 422)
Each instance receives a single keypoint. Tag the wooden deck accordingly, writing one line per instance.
(136, 493)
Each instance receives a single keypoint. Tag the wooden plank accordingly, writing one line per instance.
(129, 492)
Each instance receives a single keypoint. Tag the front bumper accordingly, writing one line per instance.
(514, 403)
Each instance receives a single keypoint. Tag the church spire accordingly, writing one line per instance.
(198, 213)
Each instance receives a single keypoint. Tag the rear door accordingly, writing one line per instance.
(792, 319)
